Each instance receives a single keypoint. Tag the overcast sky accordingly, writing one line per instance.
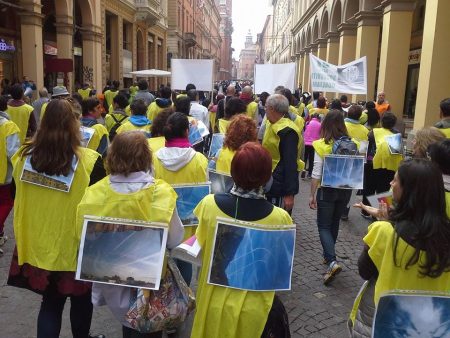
(248, 14)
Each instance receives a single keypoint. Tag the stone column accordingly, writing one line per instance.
(314, 48)
(32, 44)
(301, 70)
(116, 49)
(92, 57)
(332, 47)
(322, 49)
(434, 68)
(367, 37)
(396, 37)
(306, 70)
(347, 43)
(64, 42)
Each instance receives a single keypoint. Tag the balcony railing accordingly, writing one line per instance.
(148, 11)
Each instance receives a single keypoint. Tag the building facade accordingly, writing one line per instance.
(282, 31)
(247, 59)
(264, 41)
(226, 31)
(193, 31)
(405, 41)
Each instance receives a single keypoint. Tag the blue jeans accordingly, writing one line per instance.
(331, 204)
(50, 315)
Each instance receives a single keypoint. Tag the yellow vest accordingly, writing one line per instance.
(45, 224)
(20, 116)
(223, 125)
(447, 202)
(100, 131)
(225, 312)
(43, 108)
(322, 148)
(110, 123)
(223, 163)
(446, 131)
(364, 117)
(156, 143)
(212, 120)
(128, 126)
(155, 203)
(194, 172)
(252, 110)
(357, 131)
(109, 96)
(380, 240)
(153, 110)
(301, 109)
(84, 93)
(7, 128)
(271, 140)
(127, 110)
(383, 159)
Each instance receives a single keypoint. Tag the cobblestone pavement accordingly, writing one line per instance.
(314, 310)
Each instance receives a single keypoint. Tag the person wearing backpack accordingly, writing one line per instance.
(91, 111)
(138, 119)
(118, 117)
(330, 202)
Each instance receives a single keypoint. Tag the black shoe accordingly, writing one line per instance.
(97, 336)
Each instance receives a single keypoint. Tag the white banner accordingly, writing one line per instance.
(269, 76)
(350, 78)
(198, 72)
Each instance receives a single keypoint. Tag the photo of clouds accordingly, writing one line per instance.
(343, 172)
(394, 143)
(188, 198)
(216, 145)
(122, 254)
(86, 135)
(412, 316)
(220, 183)
(252, 259)
(194, 135)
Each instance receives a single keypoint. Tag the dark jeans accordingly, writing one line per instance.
(376, 181)
(130, 333)
(50, 315)
(309, 158)
(330, 207)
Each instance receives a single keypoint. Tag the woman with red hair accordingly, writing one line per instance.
(223, 311)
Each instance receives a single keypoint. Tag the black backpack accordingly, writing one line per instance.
(113, 131)
(344, 146)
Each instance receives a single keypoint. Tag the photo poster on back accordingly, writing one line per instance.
(221, 183)
(394, 143)
(343, 172)
(198, 72)
(86, 135)
(252, 257)
(216, 144)
(412, 314)
(122, 252)
(189, 196)
(269, 76)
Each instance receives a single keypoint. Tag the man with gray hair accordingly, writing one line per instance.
(230, 93)
(37, 105)
(282, 138)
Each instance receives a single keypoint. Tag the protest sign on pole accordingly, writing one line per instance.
(350, 78)
(198, 72)
(269, 76)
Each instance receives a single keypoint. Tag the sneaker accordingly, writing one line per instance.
(3, 240)
(303, 174)
(333, 269)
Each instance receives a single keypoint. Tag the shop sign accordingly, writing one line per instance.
(6, 46)
(77, 51)
(50, 48)
(414, 56)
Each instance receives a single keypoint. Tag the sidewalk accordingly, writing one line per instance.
(314, 310)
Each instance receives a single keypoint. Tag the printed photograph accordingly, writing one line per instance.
(412, 316)
(220, 182)
(343, 172)
(363, 147)
(385, 197)
(188, 198)
(57, 182)
(252, 259)
(122, 254)
(194, 135)
(86, 135)
(394, 143)
(216, 145)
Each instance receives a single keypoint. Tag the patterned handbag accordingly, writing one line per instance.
(163, 309)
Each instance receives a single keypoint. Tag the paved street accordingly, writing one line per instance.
(314, 309)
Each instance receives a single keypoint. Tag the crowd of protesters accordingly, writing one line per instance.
(139, 149)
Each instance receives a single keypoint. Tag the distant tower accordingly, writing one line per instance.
(248, 39)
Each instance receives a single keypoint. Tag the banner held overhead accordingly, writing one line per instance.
(269, 76)
(350, 78)
(199, 72)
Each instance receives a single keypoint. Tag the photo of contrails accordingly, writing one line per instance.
(216, 145)
(412, 316)
(252, 259)
(122, 255)
(343, 172)
(188, 198)
(395, 143)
